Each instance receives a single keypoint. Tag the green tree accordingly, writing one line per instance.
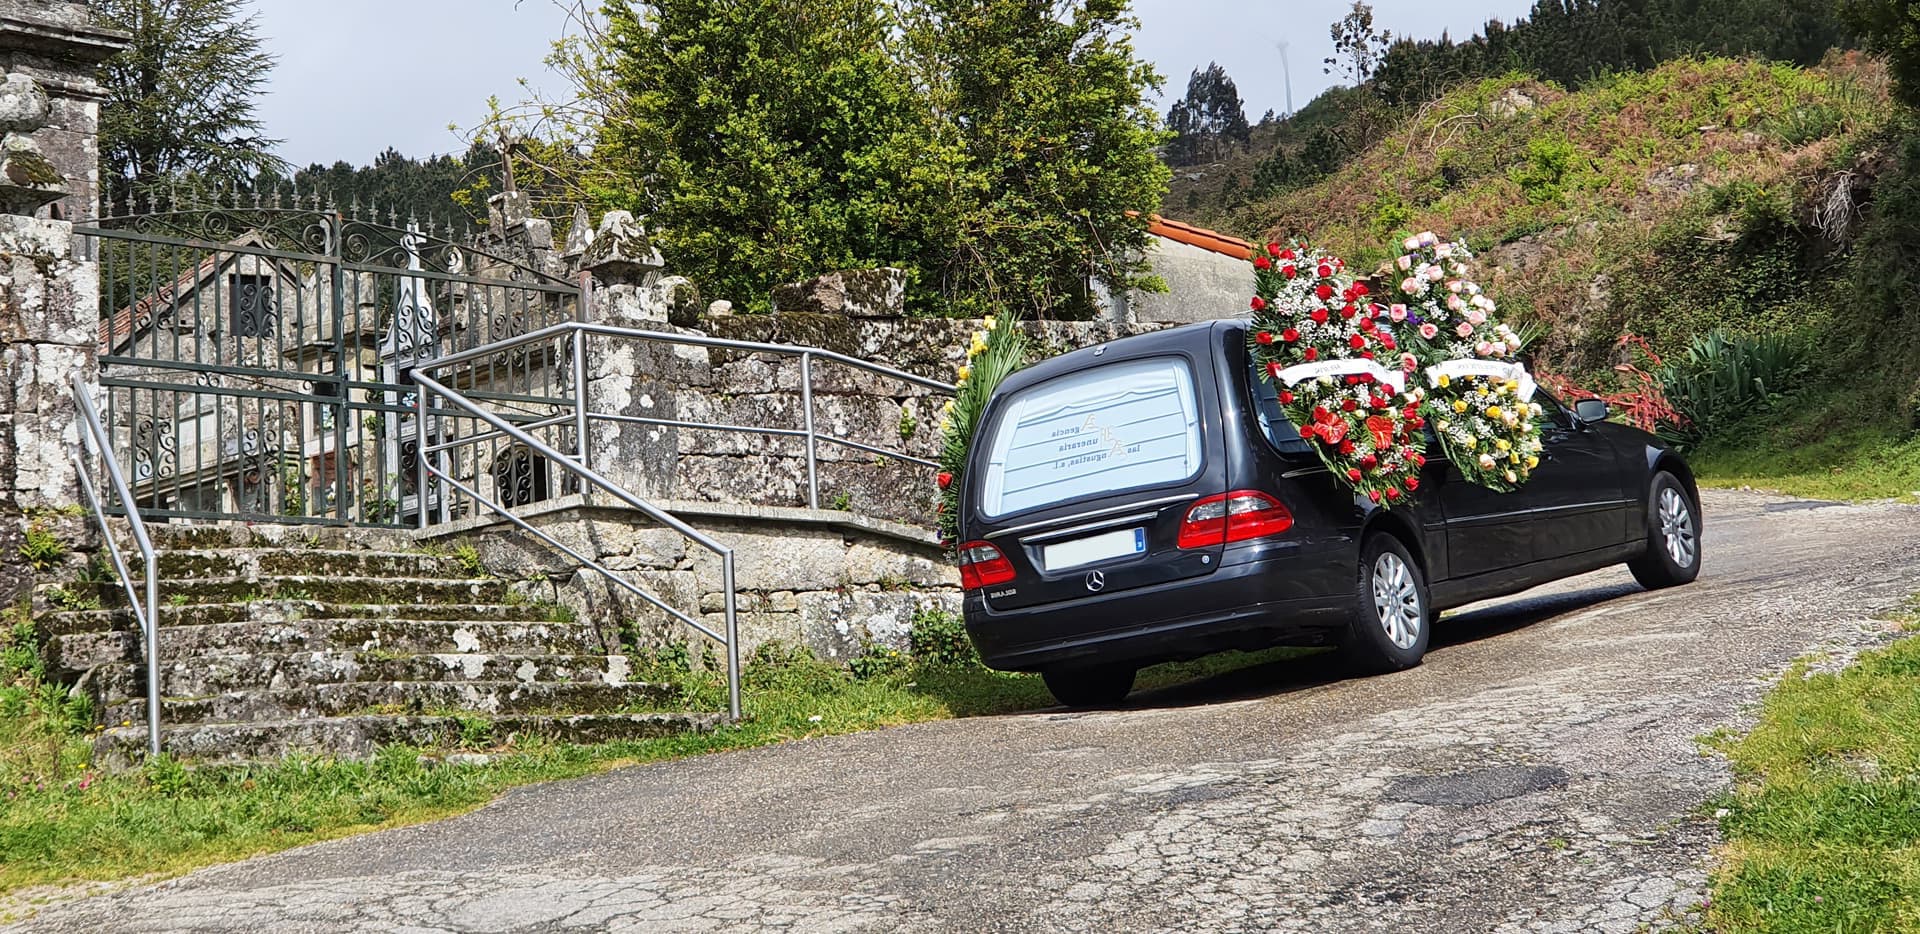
(774, 136)
(1044, 103)
(1357, 47)
(1892, 28)
(1211, 114)
(180, 99)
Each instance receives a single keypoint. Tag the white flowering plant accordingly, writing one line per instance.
(1480, 400)
(1340, 371)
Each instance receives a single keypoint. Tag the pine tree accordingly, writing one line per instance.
(1211, 114)
(180, 99)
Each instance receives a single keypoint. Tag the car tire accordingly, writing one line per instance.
(1102, 686)
(1673, 536)
(1392, 621)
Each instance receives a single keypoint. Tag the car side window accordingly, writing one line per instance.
(1561, 416)
(1274, 424)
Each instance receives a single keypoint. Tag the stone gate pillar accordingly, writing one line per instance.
(49, 288)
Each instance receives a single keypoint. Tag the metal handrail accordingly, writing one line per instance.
(97, 440)
(427, 466)
(577, 331)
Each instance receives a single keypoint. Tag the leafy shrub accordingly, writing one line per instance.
(939, 640)
(1543, 177)
(1720, 379)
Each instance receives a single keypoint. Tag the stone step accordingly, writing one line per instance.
(219, 674)
(348, 698)
(183, 565)
(322, 588)
(358, 737)
(77, 652)
(186, 536)
(284, 611)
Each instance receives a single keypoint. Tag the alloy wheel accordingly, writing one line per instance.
(1676, 527)
(1396, 600)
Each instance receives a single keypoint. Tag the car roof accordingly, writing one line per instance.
(1198, 339)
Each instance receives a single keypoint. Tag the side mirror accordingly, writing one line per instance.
(1590, 410)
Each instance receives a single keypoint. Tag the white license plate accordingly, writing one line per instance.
(1094, 548)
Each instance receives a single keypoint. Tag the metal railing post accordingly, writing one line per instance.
(580, 398)
(420, 455)
(95, 438)
(733, 640)
(152, 624)
(806, 408)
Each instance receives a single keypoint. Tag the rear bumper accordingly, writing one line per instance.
(1280, 594)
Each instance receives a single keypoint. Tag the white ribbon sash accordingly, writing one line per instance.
(1354, 366)
(1510, 372)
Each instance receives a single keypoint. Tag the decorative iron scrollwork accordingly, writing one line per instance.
(519, 476)
(156, 449)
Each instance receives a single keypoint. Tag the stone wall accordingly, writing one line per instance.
(829, 581)
(727, 386)
(49, 293)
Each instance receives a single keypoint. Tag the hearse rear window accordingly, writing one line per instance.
(1101, 430)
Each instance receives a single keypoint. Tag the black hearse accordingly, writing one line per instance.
(1146, 500)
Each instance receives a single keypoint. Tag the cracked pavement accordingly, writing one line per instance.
(1537, 774)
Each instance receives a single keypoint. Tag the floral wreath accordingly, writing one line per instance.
(1481, 398)
(1340, 372)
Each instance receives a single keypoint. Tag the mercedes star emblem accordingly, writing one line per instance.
(1096, 581)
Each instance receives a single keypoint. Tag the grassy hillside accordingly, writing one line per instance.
(1700, 195)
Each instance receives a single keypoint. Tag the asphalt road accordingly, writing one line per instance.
(1537, 773)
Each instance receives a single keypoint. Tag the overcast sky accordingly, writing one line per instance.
(357, 76)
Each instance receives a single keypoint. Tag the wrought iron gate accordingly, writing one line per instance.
(255, 357)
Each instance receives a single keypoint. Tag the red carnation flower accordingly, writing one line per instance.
(1393, 492)
(1325, 271)
(1273, 369)
(1319, 315)
(1264, 337)
(1286, 398)
(1357, 341)
(1290, 335)
(1346, 447)
(1273, 249)
(944, 479)
(1387, 341)
(1359, 288)
(1320, 413)
(1368, 461)
(1284, 254)
(1258, 303)
(1413, 483)
(1373, 495)
(1311, 354)
(1420, 460)
(1348, 405)
(1366, 324)
(1364, 354)
(1346, 311)
(1324, 291)
(1288, 270)
(1353, 475)
(1262, 263)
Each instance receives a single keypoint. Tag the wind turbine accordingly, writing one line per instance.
(1286, 71)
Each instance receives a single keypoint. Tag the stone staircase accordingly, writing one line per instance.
(277, 640)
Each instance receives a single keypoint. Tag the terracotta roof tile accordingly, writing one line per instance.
(1201, 237)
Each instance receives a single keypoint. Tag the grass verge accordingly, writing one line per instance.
(1823, 825)
(1818, 448)
(63, 823)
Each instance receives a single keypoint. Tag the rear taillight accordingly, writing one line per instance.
(982, 565)
(1233, 517)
